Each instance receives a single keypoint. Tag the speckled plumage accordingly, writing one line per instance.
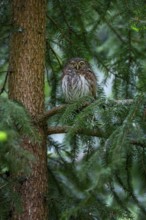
(78, 80)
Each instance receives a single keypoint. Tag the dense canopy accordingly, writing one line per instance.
(97, 167)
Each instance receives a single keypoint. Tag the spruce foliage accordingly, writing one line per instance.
(96, 168)
(98, 171)
(14, 125)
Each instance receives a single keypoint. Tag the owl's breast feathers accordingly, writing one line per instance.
(91, 78)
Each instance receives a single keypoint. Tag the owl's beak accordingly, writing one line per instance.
(77, 66)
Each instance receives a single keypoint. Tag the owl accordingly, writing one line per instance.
(78, 80)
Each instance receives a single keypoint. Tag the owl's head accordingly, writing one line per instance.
(78, 63)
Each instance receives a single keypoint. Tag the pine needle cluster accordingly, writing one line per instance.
(98, 170)
(14, 160)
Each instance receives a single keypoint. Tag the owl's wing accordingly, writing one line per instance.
(65, 72)
(90, 76)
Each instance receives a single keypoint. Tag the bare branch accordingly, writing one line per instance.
(50, 113)
(65, 129)
(58, 130)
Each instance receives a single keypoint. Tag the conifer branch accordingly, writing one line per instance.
(114, 31)
(57, 109)
(65, 129)
(58, 130)
(110, 26)
(62, 12)
(5, 81)
(94, 133)
(50, 113)
(55, 54)
(137, 143)
(58, 28)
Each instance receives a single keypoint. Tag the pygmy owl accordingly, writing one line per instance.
(78, 80)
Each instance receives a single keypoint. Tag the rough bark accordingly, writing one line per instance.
(26, 85)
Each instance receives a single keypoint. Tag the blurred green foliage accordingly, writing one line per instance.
(90, 177)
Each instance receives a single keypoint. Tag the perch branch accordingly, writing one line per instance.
(57, 109)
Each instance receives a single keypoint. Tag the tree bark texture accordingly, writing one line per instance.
(26, 85)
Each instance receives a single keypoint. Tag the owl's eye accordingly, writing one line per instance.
(82, 63)
(72, 63)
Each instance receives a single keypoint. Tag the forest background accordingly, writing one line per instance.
(98, 170)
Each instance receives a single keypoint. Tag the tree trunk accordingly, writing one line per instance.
(26, 85)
